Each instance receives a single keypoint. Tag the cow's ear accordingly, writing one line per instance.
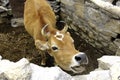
(44, 31)
(65, 28)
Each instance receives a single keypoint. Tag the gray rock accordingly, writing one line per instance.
(95, 75)
(46, 73)
(106, 62)
(118, 3)
(23, 70)
(115, 71)
(118, 51)
(81, 77)
(109, 1)
(2, 77)
(0, 58)
(4, 2)
(15, 71)
(99, 75)
(71, 2)
(92, 24)
(117, 42)
(16, 22)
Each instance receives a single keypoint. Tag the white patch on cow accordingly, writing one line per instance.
(74, 62)
(72, 40)
(59, 36)
(44, 46)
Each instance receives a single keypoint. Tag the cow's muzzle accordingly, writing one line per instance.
(79, 61)
(81, 58)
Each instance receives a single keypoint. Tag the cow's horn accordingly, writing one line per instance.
(65, 28)
(43, 31)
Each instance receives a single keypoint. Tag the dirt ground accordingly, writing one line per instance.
(16, 43)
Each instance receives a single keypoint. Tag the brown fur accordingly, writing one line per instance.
(37, 14)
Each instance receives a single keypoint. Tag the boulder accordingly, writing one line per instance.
(17, 22)
(81, 77)
(23, 70)
(20, 70)
(106, 62)
(48, 73)
(115, 71)
(93, 23)
(99, 75)
(118, 52)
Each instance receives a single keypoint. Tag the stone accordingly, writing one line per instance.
(80, 77)
(92, 24)
(115, 71)
(96, 17)
(4, 2)
(109, 26)
(99, 75)
(108, 1)
(5, 64)
(71, 2)
(16, 22)
(109, 7)
(117, 42)
(79, 8)
(118, 51)
(45, 73)
(20, 70)
(2, 77)
(118, 3)
(23, 70)
(0, 58)
(106, 62)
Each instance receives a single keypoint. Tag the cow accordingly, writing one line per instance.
(40, 23)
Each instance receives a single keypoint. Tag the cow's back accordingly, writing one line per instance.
(38, 13)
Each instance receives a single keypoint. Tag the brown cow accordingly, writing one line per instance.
(40, 22)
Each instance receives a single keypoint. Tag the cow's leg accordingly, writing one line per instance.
(42, 48)
(43, 58)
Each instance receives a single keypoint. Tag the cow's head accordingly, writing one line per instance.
(61, 47)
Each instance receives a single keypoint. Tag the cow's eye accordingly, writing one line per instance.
(54, 48)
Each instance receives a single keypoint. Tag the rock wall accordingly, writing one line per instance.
(5, 11)
(14, 10)
(107, 70)
(98, 26)
(17, 7)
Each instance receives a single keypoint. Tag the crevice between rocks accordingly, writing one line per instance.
(114, 2)
(114, 38)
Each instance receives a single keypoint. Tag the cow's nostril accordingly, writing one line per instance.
(81, 58)
(77, 58)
